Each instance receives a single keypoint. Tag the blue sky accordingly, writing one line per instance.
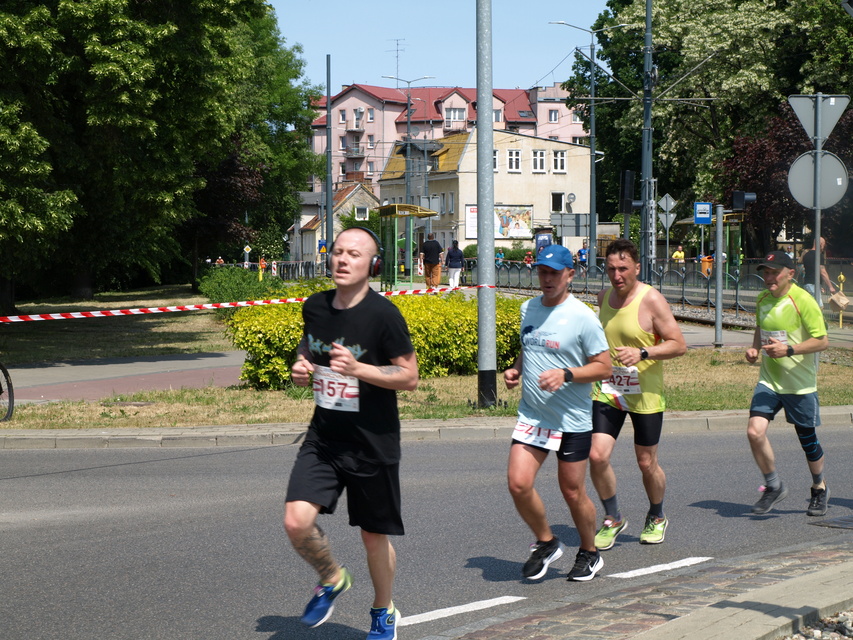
(368, 40)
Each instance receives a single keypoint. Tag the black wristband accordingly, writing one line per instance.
(568, 376)
(790, 351)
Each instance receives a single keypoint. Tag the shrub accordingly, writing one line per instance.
(516, 253)
(443, 330)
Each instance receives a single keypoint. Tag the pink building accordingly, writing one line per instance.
(367, 121)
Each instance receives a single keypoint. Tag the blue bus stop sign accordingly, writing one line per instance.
(701, 213)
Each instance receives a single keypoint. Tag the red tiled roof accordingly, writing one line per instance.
(426, 100)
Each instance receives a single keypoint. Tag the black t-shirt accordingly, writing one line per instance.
(808, 265)
(375, 332)
(432, 252)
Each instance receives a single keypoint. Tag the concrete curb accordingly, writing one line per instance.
(765, 613)
(291, 433)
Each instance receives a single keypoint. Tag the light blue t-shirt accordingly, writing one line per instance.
(552, 338)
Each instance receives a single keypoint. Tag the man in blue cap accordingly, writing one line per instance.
(563, 351)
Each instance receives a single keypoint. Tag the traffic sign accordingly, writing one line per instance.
(666, 219)
(702, 213)
(667, 203)
(247, 249)
(833, 180)
(321, 246)
(831, 108)
(570, 224)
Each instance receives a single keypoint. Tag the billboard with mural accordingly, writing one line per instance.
(511, 221)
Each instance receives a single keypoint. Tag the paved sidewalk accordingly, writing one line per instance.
(752, 598)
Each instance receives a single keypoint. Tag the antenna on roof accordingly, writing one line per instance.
(397, 50)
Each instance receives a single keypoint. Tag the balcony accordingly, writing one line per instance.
(356, 124)
(355, 151)
(455, 125)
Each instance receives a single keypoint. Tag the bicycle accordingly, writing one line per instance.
(7, 394)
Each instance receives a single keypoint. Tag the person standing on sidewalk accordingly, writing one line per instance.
(455, 262)
(642, 333)
(431, 257)
(790, 331)
(808, 261)
(356, 352)
(563, 350)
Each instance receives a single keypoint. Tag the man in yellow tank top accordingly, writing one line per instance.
(641, 332)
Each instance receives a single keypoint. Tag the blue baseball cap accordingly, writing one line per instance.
(555, 256)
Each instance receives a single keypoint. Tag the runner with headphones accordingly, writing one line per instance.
(356, 352)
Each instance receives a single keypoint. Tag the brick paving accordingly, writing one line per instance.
(630, 611)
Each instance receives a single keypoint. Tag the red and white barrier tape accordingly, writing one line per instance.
(212, 305)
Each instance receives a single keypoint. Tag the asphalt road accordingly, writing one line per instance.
(188, 543)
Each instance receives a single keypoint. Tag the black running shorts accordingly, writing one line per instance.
(373, 489)
(609, 420)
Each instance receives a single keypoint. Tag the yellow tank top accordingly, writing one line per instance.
(622, 329)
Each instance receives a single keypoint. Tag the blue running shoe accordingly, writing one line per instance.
(384, 625)
(322, 604)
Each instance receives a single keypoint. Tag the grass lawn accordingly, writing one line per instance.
(704, 379)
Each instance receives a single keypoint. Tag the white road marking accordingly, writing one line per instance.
(657, 568)
(452, 611)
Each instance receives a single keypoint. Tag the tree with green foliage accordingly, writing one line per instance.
(722, 69)
(130, 107)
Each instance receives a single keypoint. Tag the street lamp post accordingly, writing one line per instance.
(408, 249)
(593, 213)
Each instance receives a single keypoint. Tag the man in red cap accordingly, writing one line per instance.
(790, 332)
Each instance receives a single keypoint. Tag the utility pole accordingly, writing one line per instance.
(408, 176)
(593, 213)
(647, 212)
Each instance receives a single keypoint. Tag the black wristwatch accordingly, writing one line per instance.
(568, 376)
(644, 355)
(790, 351)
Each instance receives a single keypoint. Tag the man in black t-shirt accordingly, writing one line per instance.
(356, 353)
(431, 256)
(809, 273)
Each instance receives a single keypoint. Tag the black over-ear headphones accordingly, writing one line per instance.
(375, 268)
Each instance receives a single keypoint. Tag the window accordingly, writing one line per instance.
(525, 113)
(495, 160)
(370, 114)
(442, 203)
(343, 142)
(451, 202)
(453, 115)
(538, 161)
(369, 168)
(559, 162)
(558, 201)
(513, 160)
(361, 214)
(497, 114)
(343, 170)
(342, 116)
(576, 118)
(553, 115)
(371, 141)
(579, 139)
(356, 166)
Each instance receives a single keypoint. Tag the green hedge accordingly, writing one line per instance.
(443, 330)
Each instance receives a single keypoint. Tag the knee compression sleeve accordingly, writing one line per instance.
(809, 443)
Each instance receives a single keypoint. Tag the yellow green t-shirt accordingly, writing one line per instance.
(791, 319)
